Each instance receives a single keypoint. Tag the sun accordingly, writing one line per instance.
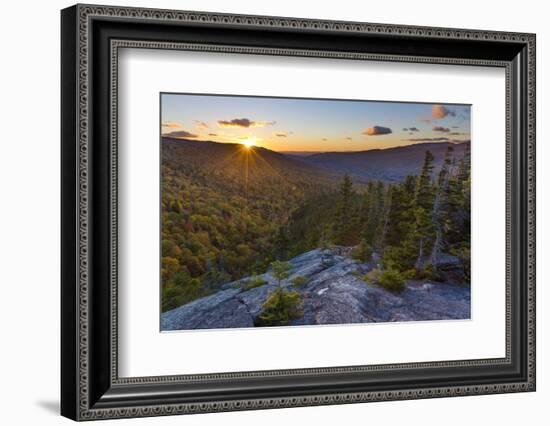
(249, 142)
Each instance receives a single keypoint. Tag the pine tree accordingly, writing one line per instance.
(401, 217)
(423, 204)
(384, 219)
(365, 208)
(280, 270)
(456, 215)
(344, 220)
(377, 214)
(399, 246)
(441, 204)
(373, 213)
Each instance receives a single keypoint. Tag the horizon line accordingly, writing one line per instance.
(317, 152)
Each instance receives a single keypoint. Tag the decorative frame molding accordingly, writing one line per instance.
(87, 397)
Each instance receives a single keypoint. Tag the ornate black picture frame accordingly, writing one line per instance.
(91, 387)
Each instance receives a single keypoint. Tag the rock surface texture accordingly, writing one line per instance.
(334, 293)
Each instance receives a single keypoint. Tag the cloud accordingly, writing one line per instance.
(456, 134)
(201, 125)
(441, 111)
(348, 138)
(180, 134)
(281, 135)
(426, 139)
(244, 122)
(212, 134)
(324, 139)
(171, 125)
(410, 129)
(441, 129)
(376, 131)
(442, 139)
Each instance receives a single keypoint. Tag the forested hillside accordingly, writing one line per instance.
(223, 206)
(228, 212)
(408, 224)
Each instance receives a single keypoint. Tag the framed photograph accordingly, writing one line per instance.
(263, 212)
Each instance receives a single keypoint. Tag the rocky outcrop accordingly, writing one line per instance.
(450, 268)
(334, 293)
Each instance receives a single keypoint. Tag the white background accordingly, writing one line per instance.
(146, 352)
(29, 225)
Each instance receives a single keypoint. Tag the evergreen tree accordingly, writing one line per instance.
(456, 211)
(441, 204)
(344, 225)
(280, 308)
(400, 248)
(456, 215)
(424, 231)
(374, 207)
(401, 215)
(280, 270)
(365, 209)
(383, 218)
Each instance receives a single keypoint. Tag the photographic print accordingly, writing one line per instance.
(304, 212)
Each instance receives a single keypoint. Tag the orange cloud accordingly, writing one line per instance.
(441, 111)
(171, 125)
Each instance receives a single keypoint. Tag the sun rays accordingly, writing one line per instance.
(249, 142)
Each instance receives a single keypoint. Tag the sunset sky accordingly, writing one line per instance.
(287, 124)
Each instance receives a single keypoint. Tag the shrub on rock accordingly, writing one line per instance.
(362, 251)
(299, 281)
(392, 280)
(280, 307)
(253, 282)
(373, 276)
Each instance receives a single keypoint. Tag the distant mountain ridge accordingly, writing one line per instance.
(300, 153)
(391, 164)
(231, 159)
